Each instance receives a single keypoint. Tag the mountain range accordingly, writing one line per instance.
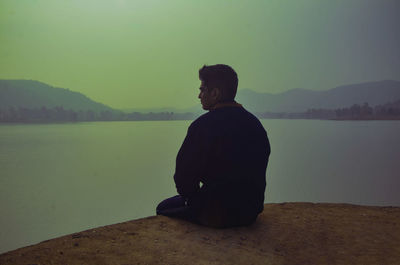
(300, 100)
(34, 94)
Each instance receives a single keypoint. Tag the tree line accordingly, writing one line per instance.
(388, 111)
(59, 114)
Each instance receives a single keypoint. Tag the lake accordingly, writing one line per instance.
(57, 179)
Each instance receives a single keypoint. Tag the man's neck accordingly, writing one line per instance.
(226, 104)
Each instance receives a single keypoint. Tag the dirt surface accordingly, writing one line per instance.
(288, 233)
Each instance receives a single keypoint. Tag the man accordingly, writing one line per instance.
(221, 165)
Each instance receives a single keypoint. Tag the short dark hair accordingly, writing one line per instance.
(221, 76)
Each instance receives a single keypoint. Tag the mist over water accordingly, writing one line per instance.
(57, 179)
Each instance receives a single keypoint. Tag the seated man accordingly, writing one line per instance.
(221, 165)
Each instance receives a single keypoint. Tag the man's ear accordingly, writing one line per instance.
(216, 93)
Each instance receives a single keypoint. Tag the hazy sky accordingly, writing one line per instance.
(146, 53)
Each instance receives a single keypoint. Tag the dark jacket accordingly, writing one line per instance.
(227, 150)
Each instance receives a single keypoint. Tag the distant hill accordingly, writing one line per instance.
(165, 109)
(197, 109)
(33, 94)
(300, 100)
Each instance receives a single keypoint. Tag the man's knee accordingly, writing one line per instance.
(171, 205)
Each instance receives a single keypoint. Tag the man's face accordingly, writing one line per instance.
(208, 97)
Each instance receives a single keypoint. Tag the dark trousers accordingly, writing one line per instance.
(176, 207)
(211, 213)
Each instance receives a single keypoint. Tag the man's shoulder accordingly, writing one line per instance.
(224, 115)
(201, 120)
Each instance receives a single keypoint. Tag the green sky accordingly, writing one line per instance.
(146, 53)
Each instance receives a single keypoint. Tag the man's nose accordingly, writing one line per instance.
(199, 95)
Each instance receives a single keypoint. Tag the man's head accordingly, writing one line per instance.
(218, 84)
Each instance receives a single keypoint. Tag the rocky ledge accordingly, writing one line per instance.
(286, 233)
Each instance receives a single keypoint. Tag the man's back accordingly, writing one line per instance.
(227, 150)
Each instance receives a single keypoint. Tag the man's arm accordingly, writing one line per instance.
(188, 160)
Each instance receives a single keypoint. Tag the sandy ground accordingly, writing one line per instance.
(288, 233)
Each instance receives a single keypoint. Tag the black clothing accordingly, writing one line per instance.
(227, 150)
(177, 207)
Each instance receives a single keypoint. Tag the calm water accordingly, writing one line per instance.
(60, 179)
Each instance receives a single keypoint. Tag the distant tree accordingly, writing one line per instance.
(106, 116)
(366, 111)
(355, 111)
(45, 114)
(90, 115)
